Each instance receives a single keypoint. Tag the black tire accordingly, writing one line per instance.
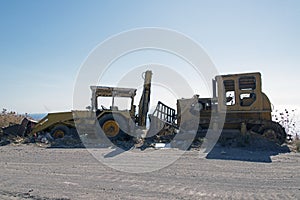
(274, 129)
(255, 128)
(114, 126)
(60, 131)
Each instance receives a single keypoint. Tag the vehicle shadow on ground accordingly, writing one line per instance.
(249, 153)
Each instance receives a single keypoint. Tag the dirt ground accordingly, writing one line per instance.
(32, 172)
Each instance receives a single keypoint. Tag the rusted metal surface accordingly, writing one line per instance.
(161, 120)
(240, 97)
(52, 119)
(101, 113)
(144, 100)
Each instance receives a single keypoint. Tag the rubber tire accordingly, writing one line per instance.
(121, 121)
(63, 128)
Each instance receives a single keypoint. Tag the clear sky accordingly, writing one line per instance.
(43, 43)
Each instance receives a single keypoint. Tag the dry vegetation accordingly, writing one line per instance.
(8, 118)
(297, 144)
(288, 119)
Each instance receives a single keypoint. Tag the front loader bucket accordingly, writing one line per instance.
(52, 119)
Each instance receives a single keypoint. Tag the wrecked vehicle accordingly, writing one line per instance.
(238, 98)
(117, 124)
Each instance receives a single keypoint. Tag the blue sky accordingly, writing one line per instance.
(43, 43)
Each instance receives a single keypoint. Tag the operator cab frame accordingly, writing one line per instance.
(239, 92)
(102, 91)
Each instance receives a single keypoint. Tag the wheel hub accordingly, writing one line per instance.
(58, 134)
(111, 128)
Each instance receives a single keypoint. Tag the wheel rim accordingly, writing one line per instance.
(111, 128)
(58, 134)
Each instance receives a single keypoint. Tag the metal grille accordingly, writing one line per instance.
(164, 113)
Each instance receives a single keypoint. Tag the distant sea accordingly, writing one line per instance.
(37, 116)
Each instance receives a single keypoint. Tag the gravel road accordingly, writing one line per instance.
(32, 172)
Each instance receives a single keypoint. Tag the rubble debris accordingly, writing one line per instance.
(22, 129)
(4, 142)
(66, 142)
(17, 133)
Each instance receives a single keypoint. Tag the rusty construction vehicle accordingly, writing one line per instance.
(237, 98)
(115, 123)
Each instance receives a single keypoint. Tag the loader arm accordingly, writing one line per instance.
(145, 99)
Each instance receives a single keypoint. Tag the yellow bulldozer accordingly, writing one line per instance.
(239, 100)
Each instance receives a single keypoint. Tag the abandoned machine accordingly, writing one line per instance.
(238, 98)
(115, 123)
